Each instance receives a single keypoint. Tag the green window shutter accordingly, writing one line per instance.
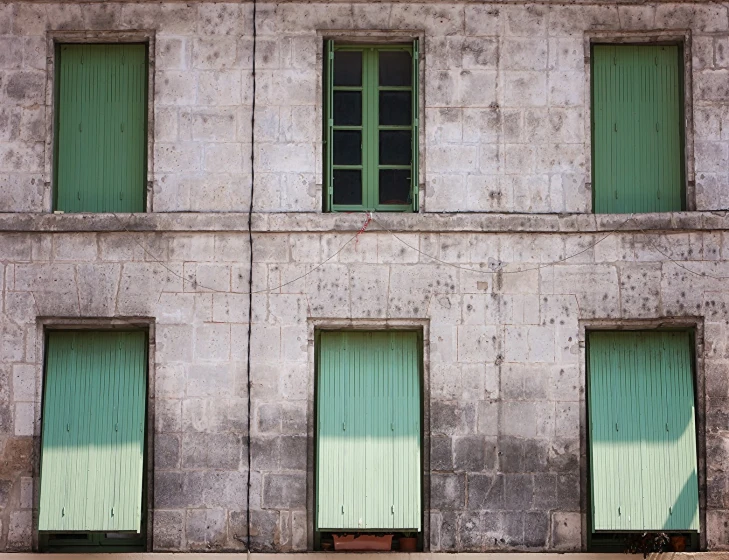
(93, 431)
(329, 125)
(642, 432)
(101, 136)
(637, 133)
(416, 126)
(368, 433)
(371, 127)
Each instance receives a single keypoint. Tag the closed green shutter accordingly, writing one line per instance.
(329, 127)
(416, 127)
(101, 144)
(368, 447)
(93, 431)
(637, 151)
(642, 432)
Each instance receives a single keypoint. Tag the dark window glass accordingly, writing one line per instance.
(395, 186)
(395, 68)
(347, 147)
(395, 107)
(347, 108)
(347, 186)
(347, 68)
(395, 147)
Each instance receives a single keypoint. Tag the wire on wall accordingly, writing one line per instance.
(494, 266)
(250, 281)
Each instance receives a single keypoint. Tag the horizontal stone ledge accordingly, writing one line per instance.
(294, 222)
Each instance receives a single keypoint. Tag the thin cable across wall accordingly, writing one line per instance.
(493, 268)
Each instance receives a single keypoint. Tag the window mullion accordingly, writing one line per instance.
(371, 123)
(365, 130)
(375, 121)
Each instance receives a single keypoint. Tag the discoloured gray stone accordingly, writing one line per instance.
(504, 126)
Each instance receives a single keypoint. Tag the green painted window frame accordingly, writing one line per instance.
(370, 127)
(615, 540)
(675, 197)
(101, 541)
(318, 532)
(139, 205)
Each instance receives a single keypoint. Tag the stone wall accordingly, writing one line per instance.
(504, 99)
(505, 130)
(505, 367)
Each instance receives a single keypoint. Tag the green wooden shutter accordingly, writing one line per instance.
(368, 446)
(416, 126)
(636, 129)
(93, 431)
(101, 134)
(329, 127)
(642, 432)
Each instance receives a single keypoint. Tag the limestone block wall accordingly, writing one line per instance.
(505, 110)
(504, 100)
(504, 368)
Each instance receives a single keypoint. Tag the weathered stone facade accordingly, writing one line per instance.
(504, 267)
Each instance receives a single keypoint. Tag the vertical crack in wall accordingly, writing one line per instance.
(250, 280)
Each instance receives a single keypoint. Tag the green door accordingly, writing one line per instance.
(93, 431)
(642, 432)
(637, 133)
(368, 432)
(101, 128)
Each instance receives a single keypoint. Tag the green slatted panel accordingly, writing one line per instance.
(93, 431)
(642, 432)
(368, 444)
(101, 143)
(637, 140)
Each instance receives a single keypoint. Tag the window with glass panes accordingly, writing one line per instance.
(371, 147)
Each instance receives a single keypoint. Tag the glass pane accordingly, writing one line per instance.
(395, 107)
(347, 147)
(347, 186)
(395, 186)
(396, 147)
(395, 68)
(347, 68)
(348, 108)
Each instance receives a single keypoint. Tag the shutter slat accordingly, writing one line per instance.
(93, 432)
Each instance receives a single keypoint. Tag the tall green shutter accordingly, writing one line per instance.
(642, 432)
(101, 144)
(329, 127)
(368, 447)
(93, 431)
(637, 129)
(416, 126)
